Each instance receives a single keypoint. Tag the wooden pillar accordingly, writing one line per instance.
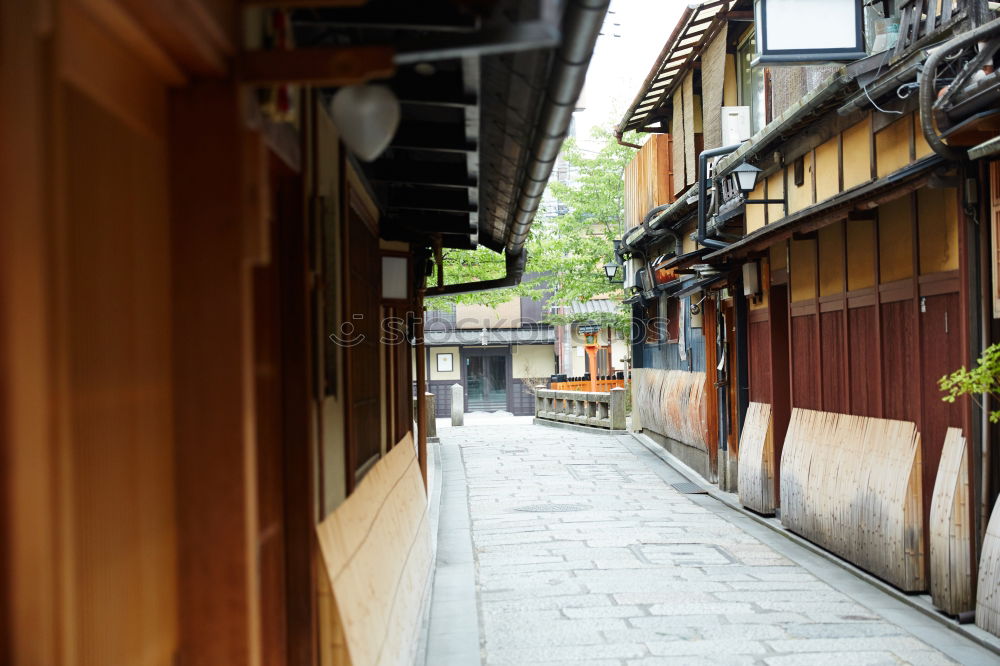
(421, 388)
(214, 240)
(28, 554)
(592, 357)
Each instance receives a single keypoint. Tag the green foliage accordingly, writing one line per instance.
(566, 253)
(981, 380)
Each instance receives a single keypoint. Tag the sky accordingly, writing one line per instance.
(634, 33)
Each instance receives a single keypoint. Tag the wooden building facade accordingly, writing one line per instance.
(846, 282)
(210, 310)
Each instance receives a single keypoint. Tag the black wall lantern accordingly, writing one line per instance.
(611, 270)
(793, 32)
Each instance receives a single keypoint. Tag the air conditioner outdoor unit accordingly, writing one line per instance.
(735, 124)
(632, 266)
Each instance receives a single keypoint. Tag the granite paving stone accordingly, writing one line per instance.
(584, 553)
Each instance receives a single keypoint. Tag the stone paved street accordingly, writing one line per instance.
(583, 553)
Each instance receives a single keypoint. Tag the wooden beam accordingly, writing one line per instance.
(317, 66)
(423, 173)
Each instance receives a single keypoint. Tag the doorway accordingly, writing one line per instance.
(486, 381)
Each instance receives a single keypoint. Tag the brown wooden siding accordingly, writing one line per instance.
(805, 363)
(899, 362)
(760, 361)
(834, 380)
(863, 362)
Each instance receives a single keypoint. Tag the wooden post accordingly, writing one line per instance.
(421, 387)
(592, 357)
(211, 157)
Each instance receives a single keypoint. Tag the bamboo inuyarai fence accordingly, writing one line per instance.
(852, 484)
(988, 590)
(756, 460)
(672, 403)
(950, 533)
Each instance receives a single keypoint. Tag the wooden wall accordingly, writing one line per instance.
(853, 485)
(648, 179)
(873, 329)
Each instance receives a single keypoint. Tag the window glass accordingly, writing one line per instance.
(751, 80)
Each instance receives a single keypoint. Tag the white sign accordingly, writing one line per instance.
(800, 31)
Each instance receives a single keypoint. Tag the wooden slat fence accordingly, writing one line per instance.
(648, 179)
(672, 403)
(950, 529)
(988, 589)
(852, 484)
(756, 460)
(921, 18)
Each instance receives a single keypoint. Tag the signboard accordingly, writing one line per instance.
(793, 32)
(590, 328)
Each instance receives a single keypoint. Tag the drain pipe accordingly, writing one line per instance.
(515, 264)
(703, 158)
(928, 81)
(581, 26)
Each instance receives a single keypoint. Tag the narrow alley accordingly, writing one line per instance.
(583, 551)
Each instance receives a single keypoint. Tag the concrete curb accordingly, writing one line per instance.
(971, 632)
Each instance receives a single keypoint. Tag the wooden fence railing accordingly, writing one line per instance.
(920, 18)
(598, 410)
(603, 385)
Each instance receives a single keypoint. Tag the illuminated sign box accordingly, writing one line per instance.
(795, 32)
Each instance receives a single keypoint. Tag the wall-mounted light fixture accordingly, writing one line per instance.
(611, 271)
(367, 117)
(395, 277)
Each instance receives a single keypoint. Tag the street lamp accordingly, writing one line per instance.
(745, 176)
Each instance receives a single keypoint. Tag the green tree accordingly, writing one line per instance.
(983, 380)
(566, 253)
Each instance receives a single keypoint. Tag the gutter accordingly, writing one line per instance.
(581, 26)
(784, 123)
(515, 270)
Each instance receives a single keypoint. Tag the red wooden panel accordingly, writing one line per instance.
(760, 361)
(900, 367)
(834, 370)
(863, 361)
(805, 363)
(941, 349)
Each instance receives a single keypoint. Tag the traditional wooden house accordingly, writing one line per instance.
(841, 226)
(209, 305)
(496, 354)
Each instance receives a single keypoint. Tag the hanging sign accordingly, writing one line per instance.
(793, 32)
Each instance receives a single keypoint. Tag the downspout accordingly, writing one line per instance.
(581, 26)
(703, 158)
(928, 81)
